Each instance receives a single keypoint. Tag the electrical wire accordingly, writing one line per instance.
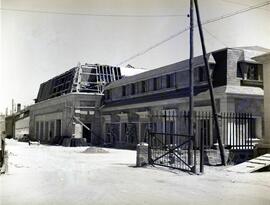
(96, 15)
(186, 29)
(215, 37)
(241, 4)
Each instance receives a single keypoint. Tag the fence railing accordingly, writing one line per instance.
(237, 129)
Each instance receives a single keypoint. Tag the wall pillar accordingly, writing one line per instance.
(264, 145)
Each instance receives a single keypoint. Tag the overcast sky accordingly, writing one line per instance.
(36, 45)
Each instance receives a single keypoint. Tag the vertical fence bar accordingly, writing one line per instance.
(223, 124)
(245, 128)
(248, 140)
(231, 128)
(234, 129)
(251, 131)
(238, 130)
(243, 131)
(202, 133)
(227, 127)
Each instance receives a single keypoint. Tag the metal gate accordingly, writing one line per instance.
(167, 147)
(178, 154)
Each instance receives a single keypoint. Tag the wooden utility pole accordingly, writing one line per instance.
(214, 112)
(191, 86)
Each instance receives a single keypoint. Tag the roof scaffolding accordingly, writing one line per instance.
(87, 78)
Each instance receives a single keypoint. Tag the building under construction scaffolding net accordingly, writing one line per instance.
(88, 78)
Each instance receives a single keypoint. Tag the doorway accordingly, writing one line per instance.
(87, 133)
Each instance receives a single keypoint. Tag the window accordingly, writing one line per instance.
(249, 71)
(124, 91)
(143, 88)
(170, 80)
(202, 74)
(252, 73)
(133, 89)
(155, 84)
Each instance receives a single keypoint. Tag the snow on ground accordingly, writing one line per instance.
(64, 175)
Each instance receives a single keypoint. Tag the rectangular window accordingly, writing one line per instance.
(143, 88)
(133, 89)
(155, 84)
(170, 79)
(124, 91)
(51, 134)
(252, 73)
(249, 71)
(202, 74)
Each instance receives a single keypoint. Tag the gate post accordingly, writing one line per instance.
(142, 154)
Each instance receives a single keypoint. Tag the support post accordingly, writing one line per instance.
(191, 87)
(203, 133)
(214, 112)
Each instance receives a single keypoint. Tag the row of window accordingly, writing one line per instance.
(45, 130)
(157, 83)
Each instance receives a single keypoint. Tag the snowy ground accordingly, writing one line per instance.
(60, 175)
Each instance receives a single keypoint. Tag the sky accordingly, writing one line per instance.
(43, 38)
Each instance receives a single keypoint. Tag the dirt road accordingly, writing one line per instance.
(60, 175)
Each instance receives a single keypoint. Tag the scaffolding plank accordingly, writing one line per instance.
(252, 165)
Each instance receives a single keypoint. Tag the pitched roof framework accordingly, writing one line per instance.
(88, 78)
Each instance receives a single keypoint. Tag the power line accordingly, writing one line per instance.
(95, 14)
(186, 29)
(241, 4)
(215, 37)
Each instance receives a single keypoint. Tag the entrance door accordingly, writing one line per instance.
(87, 133)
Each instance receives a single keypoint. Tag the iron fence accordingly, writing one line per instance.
(237, 129)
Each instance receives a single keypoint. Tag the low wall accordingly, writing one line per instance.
(233, 156)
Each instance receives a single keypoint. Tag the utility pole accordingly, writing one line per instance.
(191, 87)
(214, 112)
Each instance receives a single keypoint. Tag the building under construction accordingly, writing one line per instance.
(68, 104)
